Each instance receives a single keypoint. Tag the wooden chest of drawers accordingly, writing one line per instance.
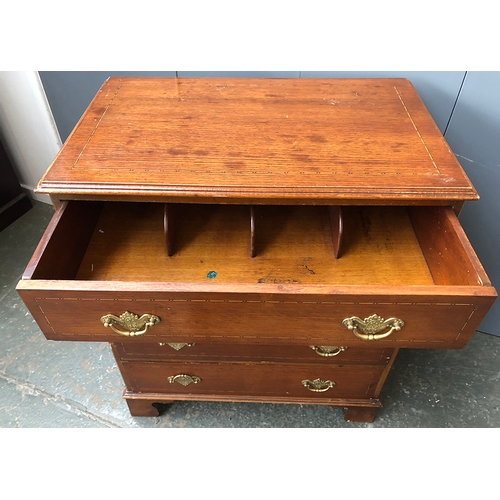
(257, 240)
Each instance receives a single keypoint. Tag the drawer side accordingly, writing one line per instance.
(64, 243)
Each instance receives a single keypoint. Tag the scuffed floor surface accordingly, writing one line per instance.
(69, 384)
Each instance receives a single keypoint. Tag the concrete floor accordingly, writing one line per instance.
(67, 384)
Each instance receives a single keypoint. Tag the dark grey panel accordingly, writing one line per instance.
(438, 89)
(240, 74)
(474, 131)
(481, 221)
(474, 135)
(70, 92)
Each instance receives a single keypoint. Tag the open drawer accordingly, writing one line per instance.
(407, 277)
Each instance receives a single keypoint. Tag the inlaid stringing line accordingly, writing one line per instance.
(416, 129)
(97, 125)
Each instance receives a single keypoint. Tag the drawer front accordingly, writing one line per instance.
(429, 320)
(248, 352)
(252, 379)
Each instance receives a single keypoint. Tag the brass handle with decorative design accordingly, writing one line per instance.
(327, 350)
(318, 385)
(132, 324)
(177, 345)
(372, 326)
(184, 379)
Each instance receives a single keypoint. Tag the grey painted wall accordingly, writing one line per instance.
(465, 106)
(474, 136)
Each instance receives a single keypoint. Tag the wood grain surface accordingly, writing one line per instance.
(258, 140)
(292, 246)
(435, 317)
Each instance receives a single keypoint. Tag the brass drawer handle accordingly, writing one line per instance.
(372, 325)
(131, 323)
(327, 350)
(177, 346)
(184, 379)
(318, 385)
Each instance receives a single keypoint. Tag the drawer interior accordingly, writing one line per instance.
(125, 241)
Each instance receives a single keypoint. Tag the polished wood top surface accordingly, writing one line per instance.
(310, 141)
